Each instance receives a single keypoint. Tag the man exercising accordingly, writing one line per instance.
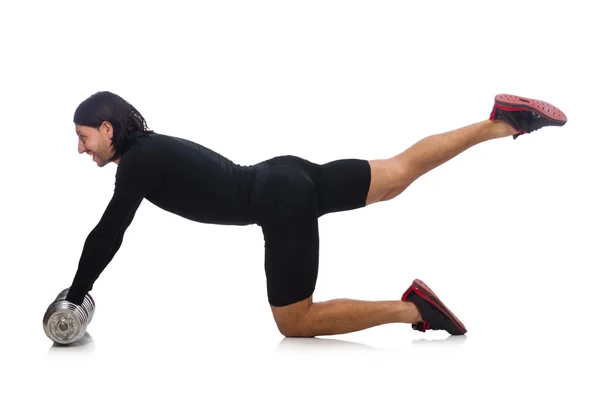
(284, 195)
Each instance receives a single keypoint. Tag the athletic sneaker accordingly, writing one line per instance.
(435, 315)
(526, 115)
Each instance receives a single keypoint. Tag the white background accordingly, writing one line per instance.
(506, 233)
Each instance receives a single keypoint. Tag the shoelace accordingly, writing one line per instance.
(536, 121)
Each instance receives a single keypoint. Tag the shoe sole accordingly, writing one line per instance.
(420, 288)
(518, 103)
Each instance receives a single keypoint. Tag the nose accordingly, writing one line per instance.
(80, 147)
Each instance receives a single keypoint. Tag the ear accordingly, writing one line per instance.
(107, 128)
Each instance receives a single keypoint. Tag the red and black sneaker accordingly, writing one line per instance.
(526, 115)
(434, 313)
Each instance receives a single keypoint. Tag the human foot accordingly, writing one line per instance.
(434, 313)
(525, 115)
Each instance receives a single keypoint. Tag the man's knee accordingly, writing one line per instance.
(293, 320)
(294, 329)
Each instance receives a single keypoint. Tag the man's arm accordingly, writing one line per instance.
(103, 242)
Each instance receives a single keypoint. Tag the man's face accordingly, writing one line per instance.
(96, 142)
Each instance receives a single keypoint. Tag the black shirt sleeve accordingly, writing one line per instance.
(134, 179)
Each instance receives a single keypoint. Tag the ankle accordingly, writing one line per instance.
(412, 313)
(500, 129)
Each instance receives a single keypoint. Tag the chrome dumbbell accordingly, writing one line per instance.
(65, 322)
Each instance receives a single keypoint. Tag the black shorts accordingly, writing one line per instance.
(296, 193)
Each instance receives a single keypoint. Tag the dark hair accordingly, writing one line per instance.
(126, 121)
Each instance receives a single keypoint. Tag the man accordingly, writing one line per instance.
(284, 195)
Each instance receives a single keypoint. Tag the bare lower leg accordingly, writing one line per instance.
(395, 174)
(340, 316)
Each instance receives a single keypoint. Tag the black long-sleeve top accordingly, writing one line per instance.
(177, 175)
